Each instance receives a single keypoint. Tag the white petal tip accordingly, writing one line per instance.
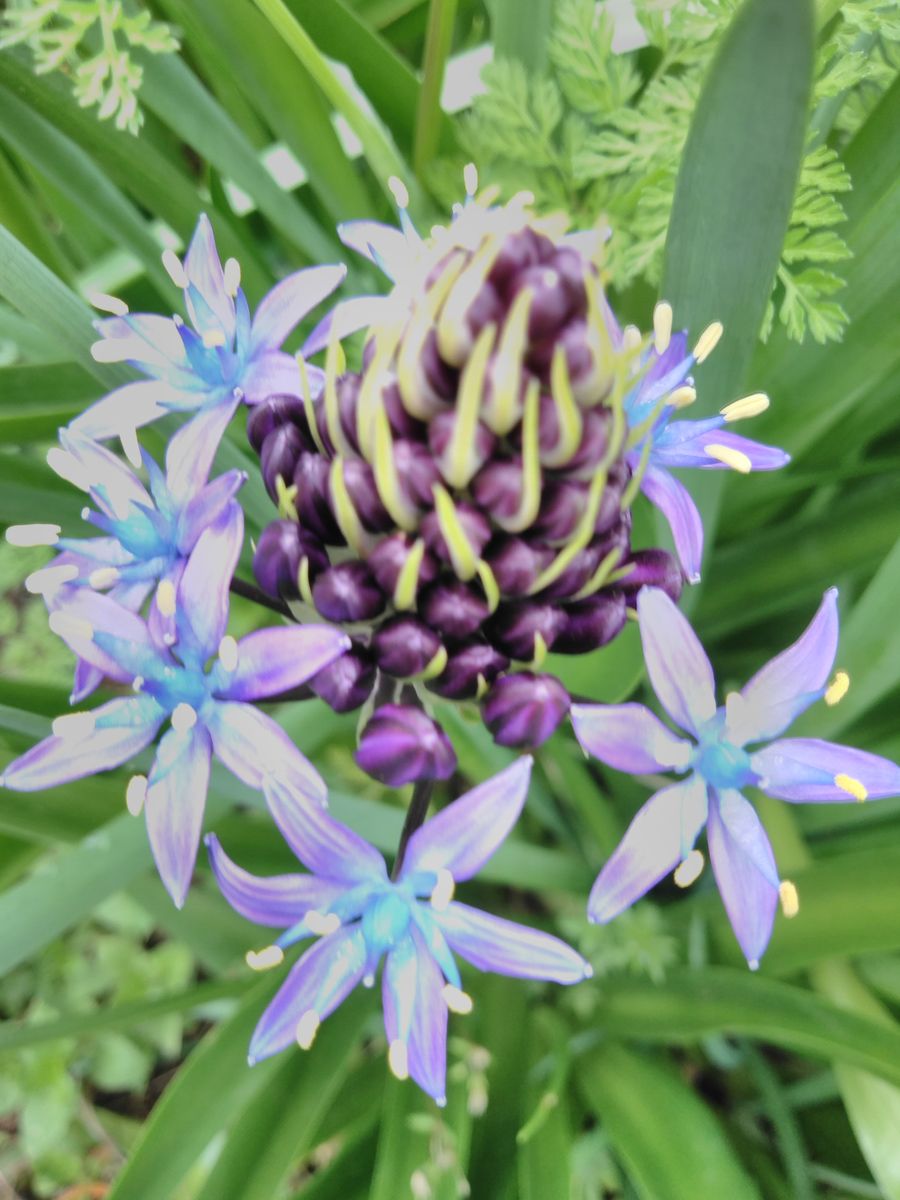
(753, 964)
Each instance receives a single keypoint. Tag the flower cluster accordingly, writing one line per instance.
(449, 512)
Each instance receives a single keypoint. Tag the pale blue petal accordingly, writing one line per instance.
(124, 729)
(207, 507)
(104, 633)
(359, 312)
(684, 444)
(507, 948)
(322, 979)
(176, 798)
(803, 770)
(277, 374)
(271, 661)
(464, 835)
(191, 450)
(675, 503)
(285, 306)
(112, 483)
(279, 900)
(86, 681)
(384, 245)
(252, 745)
(745, 871)
(325, 846)
(415, 1013)
(203, 593)
(661, 836)
(204, 271)
(130, 406)
(786, 686)
(679, 670)
(629, 737)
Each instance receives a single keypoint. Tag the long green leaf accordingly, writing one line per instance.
(670, 1142)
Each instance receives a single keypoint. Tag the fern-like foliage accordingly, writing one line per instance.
(603, 132)
(90, 40)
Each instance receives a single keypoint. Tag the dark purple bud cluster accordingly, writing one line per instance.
(461, 503)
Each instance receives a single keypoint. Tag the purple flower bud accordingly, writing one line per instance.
(466, 667)
(579, 355)
(388, 558)
(518, 252)
(652, 568)
(594, 442)
(551, 303)
(268, 415)
(475, 524)
(485, 308)
(576, 574)
(359, 480)
(516, 563)
(497, 488)
(563, 502)
(441, 377)
(440, 432)
(281, 548)
(402, 423)
(403, 646)
(401, 744)
(348, 393)
(611, 505)
(591, 623)
(348, 592)
(312, 499)
(346, 683)
(453, 608)
(522, 709)
(280, 451)
(417, 472)
(514, 628)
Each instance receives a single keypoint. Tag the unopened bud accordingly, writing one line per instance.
(522, 709)
(402, 744)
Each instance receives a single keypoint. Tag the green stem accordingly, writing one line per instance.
(438, 43)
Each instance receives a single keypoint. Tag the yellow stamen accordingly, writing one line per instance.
(265, 959)
(285, 498)
(344, 509)
(453, 337)
(407, 581)
(583, 533)
(398, 1059)
(184, 717)
(662, 326)
(308, 406)
(456, 999)
(837, 689)
(689, 871)
(490, 585)
(103, 577)
(790, 901)
(107, 303)
(174, 269)
(399, 191)
(303, 585)
(418, 397)
(435, 667)
(232, 273)
(530, 497)
(682, 397)
(228, 653)
(749, 406)
(321, 923)
(136, 794)
(307, 1028)
(707, 341)
(387, 478)
(213, 338)
(470, 178)
(503, 406)
(568, 414)
(443, 890)
(852, 786)
(460, 549)
(736, 459)
(165, 598)
(369, 402)
(335, 365)
(459, 461)
(631, 339)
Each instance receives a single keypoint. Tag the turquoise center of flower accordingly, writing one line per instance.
(385, 921)
(722, 764)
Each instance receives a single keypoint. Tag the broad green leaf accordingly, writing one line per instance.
(691, 1004)
(36, 400)
(20, 212)
(401, 1148)
(520, 37)
(671, 1143)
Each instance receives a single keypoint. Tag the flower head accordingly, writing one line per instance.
(208, 708)
(208, 369)
(412, 921)
(462, 501)
(659, 443)
(726, 748)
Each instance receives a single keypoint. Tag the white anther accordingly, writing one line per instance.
(213, 338)
(368, 981)
(399, 191)
(456, 999)
(174, 268)
(33, 535)
(165, 598)
(736, 459)
(265, 959)
(321, 923)
(307, 1028)
(837, 689)
(688, 871)
(48, 580)
(183, 718)
(103, 577)
(748, 406)
(682, 396)
(398, 1059)
(107, 303)
(662, 326)
(443, 890)
(86, 513)
(852, 786)
(64, 625)
(790, 901)
(470, 178)
(136, 794)
(707, 341)
(631, 338)
(137, 683)
(74, 727)
(228, 653)
(232, 276)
